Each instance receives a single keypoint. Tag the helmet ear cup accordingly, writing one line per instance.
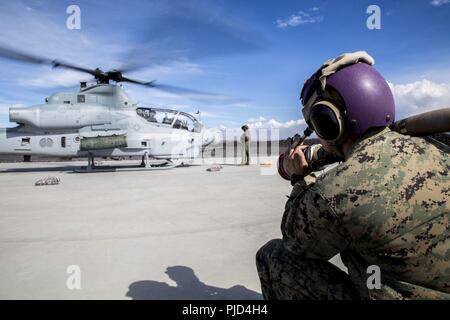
(327, 121)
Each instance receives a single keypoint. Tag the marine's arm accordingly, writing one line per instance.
(310, 226)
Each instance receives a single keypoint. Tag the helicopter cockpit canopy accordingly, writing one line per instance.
(172, 118)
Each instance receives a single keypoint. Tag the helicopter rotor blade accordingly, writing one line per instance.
(144, 83)
(180, 90)
(60, 64)
(191, 94)
(197, 95)
(169, 88)
(16, 55)
(131, 68)
(117, 76)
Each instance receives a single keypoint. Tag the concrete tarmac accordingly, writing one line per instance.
(183, 233)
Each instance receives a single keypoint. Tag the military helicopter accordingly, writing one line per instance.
(102, 121)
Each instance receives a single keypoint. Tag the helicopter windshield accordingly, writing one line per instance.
(157, 115)
(187, 122)
(176, 119)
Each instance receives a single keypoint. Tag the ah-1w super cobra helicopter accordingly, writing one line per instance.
(101, 121)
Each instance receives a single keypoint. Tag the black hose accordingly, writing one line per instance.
(432, 122)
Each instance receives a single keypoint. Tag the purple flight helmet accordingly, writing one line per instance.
(366, 95)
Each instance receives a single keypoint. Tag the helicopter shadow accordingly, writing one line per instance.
(189, 287)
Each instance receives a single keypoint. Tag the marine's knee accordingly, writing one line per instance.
(267, 251)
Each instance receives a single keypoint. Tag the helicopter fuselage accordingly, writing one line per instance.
(101, 121)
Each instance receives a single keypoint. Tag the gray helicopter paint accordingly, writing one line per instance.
(103, 110)
(61, 116)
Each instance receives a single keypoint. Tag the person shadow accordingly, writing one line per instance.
(188, 287)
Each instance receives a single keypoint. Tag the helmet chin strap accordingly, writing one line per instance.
(336, 147)
(336, 150)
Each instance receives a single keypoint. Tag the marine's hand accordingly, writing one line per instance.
(296, 161)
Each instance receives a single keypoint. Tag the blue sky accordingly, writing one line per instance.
(254, 54)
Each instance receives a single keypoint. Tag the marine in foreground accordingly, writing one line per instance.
(384, 206)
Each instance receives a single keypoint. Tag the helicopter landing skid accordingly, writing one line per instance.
(148, 165)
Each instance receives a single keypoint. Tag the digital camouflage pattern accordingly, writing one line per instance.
(288, 276)
(386, 205)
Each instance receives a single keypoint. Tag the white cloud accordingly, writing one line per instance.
(207, 114)
(262, 125)
(438, 3)
(300, 18)
(4, 108)
(52, 79)
(256, 119)
(7, 125)
(420, 96)
(4, 114)
(173, 69)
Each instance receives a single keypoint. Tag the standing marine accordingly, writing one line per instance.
(385, 207)
(245, 145)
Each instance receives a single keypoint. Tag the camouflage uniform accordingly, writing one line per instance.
(386, 205)
(245, 143)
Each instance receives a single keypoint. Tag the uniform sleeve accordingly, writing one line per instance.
(310, 227)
